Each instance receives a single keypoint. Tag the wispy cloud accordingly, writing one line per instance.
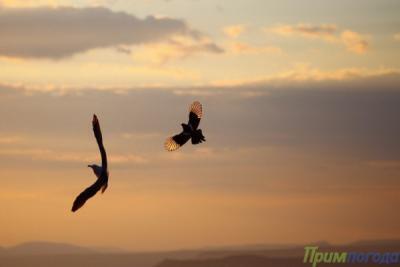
(30, 3)
(197, 155)
(353, 41)
(10, 139)
(64, 31)
(137, 135)
(391, 164)
(234, 31)
(146, 72)
(305, 74)
(245, 48)
(324, 31)
(299, 74)
(175, 48)
(72, 157)
(54, 3)
(18, 195)
(128, 159)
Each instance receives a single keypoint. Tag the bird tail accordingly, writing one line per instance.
(198, 137)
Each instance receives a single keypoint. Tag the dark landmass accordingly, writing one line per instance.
(234, 261)
(45, 254)
(248, 261)
(37, 248)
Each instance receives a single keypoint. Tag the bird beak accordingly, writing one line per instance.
(89, 166)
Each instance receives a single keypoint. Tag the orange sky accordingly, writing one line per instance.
(300, 116)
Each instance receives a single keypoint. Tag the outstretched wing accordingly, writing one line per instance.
(195, 114)
(85, 195)
(99, 138)
(176, 141)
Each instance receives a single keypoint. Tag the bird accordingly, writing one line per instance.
(190, 130)
(101, 172)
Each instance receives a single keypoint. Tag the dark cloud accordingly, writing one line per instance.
(356, 118)
(61, 32)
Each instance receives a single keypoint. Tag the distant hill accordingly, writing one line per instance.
(35, 248)
(285, 256)
(47, 254)
(249, 261)
(270, 250)
(103, 249)
(235, 261)
(384, 243)
(85, 260)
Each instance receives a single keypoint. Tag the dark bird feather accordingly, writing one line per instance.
(190, 130)
(101, 172)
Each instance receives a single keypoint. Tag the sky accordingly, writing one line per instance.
(300, 98)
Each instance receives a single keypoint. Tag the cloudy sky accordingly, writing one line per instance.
(301, 102)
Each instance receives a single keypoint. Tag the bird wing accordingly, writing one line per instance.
(86, 194)
(198, 137)
(99, 138)
(195, 114)
(176, 141)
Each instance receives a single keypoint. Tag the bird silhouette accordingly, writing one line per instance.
(190, 130)
(100, 171)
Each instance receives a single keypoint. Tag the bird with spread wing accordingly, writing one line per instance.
(190, 130)
(100, 171)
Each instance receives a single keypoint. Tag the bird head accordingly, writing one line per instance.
(96, 169)
(186, 127)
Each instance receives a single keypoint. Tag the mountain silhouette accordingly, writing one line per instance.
(40, 247)
(47, 254)
(234, 261)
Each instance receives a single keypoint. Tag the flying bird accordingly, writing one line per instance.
(190, 130)
(100, 171)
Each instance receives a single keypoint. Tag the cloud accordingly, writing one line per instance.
(10, 139)
(135, 135)
(64, 31)
(30, 3)
(55, 3)
(72, 157)
(244, 48)
(391, 164)
(200, 154)
(353, 41)
(305, 75)
(299, 75)
(176, 48)
(128, 159)
(325, 31)
(397, 36)
(353, 110)
(234, 31)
